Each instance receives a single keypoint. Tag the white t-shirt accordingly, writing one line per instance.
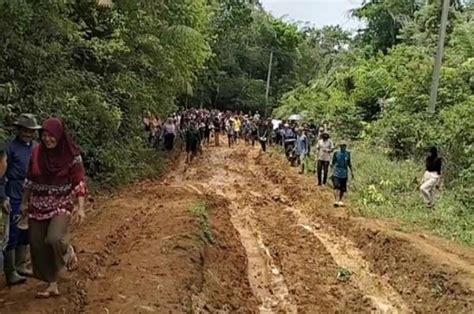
(325, 149)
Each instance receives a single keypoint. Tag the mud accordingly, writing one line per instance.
(268, 242)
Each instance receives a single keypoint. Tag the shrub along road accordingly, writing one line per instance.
(241, 231)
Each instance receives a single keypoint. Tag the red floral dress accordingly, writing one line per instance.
(54, 195)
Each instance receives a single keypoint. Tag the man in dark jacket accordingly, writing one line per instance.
(18, 153)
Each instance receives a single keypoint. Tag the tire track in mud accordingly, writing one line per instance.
(411, 276)
(376, 289)
(119, 276)
(304, 279)
(265, 278)
(273, 252)
(367, 291)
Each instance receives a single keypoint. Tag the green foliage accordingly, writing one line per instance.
(321, 50)
(384, 188)
(99, 68)
(378, 89)
(201, 211)
(384, 20)
(244, 37)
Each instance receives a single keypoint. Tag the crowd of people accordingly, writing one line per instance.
(43, 186)
(299, 141)
(196, 127)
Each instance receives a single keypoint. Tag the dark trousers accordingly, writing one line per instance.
(323, 169)
(264, 145)
(17, 237)
(169, 141)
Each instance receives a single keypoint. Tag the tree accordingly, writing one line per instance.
(99, 67)
(244, 37)
(384, 20)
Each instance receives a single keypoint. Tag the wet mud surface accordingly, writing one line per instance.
(265, 240)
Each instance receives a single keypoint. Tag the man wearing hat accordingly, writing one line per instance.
(341, 164)
(18, 151)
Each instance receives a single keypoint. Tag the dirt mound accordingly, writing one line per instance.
(224, 286)
(428, 287)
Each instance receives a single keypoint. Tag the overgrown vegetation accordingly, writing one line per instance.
(201, 211)
(376, 91)
(386, 188)
(99, 67)
(244, 37)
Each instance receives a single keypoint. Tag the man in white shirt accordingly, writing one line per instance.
(325, 148)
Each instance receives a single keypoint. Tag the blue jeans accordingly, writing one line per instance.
(16, 237)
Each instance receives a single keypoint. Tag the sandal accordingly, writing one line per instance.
(47, 294)
(71, 259)
(50, 292)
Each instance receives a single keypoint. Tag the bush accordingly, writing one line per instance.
(384, 188)
(99, 69)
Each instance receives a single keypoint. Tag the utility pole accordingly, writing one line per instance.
(439, 57)
(269, 76)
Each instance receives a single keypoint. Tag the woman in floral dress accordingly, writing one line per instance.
(56, 181)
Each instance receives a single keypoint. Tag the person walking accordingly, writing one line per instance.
(18, 154)
(169, 131)
(56, 179)
(302, 148)
(432, 177)
(217, 130)
(324, 148)
(207, 131)
(237, 128)
(341, 164)
(288, 138)
(192, 138)
(229, 127)
(263, 135)
(253, 132)
(202, 129)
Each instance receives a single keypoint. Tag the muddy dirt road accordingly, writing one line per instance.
(241, 232)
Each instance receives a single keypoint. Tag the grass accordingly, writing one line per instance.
(201, 211)
(344, 275)
(384, 188)
(388, 189)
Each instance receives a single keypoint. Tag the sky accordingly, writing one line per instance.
(317, 12)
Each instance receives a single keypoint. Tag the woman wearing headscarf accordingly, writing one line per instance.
(56, 180)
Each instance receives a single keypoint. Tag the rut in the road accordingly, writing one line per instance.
(288, 271)
(392, 270)
(276, 248)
